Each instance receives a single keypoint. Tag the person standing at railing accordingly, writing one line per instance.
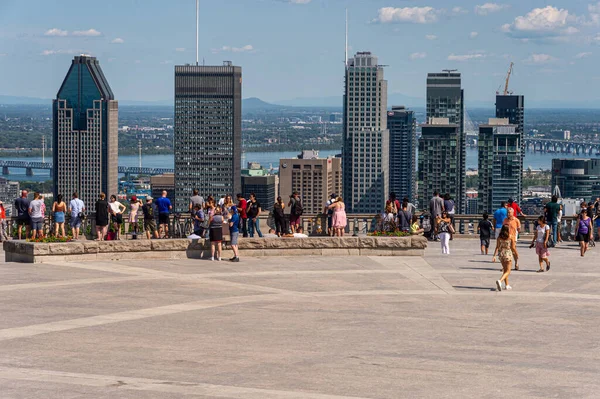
(37, 219)
(404, 217)
(254, 210)
(241, 206)
(134, 207)
(3, 235)
(552, 210)
(449, 208)
(329, 213)
(23, 218)
(339, 216)
(436, 206)
(58, 208)
(163, 204)
(196, 199)
(216, 234)
(77, 209)
(149, 221)
(296, 211)
(101, 217)
(116, 211)
(279, 216)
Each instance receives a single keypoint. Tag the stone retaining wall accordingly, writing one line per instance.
(21, 251)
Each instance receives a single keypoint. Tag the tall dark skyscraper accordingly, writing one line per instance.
(577, 178)
(403, 152)
(445, 99)
(208, 131)
(365, 163)
(513, 107)
(85, 133)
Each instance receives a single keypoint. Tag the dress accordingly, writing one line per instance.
(133, 212)
(504, 251)
(101, 213)
(339, 217)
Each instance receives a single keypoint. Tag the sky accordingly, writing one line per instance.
(295, 48)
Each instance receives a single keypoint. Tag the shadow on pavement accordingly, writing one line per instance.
(473, 288)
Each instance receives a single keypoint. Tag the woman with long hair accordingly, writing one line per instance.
(540, 241)
(116, 211)
(444, 228)
(215, 225)
(584, 231)
(339, 220)
(59, 208)
(505, 246)
(279, 216)
(226, 208)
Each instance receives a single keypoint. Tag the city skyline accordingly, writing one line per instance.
(545, 41)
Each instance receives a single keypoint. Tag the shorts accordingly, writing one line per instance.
(150, 225)
(118, 218)
(541, 251)
(75, 222)
(37, 223)
(234, 237)
(24, 220)
(163, 218)
(583, 237)
(216, 235)
(294, 220)
(485, 242)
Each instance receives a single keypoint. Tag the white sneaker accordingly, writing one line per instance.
(499, 285)
(508, 287)
(212, 258)
(219, 259)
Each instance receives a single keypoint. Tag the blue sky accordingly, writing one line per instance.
(294, 48)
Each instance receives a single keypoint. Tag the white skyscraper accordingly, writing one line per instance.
(366, 137)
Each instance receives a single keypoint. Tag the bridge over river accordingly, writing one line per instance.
(31, 166)
(562, 146)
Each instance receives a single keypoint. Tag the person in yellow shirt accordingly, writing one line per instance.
(415, 227)
(514, 227)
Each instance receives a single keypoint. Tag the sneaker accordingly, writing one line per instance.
(236, 260)
(508, 287)
(194, 237)
(219, 259)
(499, 285)
(231, 259)
(212, 258)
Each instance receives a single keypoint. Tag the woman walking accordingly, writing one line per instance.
(216, 234)
(279, 216)
(116, 211)
(339, 220)
(443, 228)
(101, 217)
(59, 208)
(584, 231)
(540, 241)
(134, 207)
(505, 246)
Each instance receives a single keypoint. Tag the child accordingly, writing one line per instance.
(540, 241)
(485, 229)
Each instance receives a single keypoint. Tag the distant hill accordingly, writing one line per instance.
(12, 100)
(253, 103)
(337, 101)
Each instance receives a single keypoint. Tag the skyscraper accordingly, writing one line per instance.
(85, 133)
(403, 152)
(445, 99)
(577, 178)
(366, 138)
(500, 164)
(513, 107)
(439, 159)
(208, 131)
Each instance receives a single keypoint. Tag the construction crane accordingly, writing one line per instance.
(510, 70)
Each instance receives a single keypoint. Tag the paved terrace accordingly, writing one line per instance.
(302, 328)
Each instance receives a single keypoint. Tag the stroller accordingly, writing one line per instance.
(426, 225)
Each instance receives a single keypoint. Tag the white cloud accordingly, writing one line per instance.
(539, 59)
(89, 32)
(473, 35)
(465, 57)
(56, 32)
(118, 40)
(430, 37)
(417, 15)
(54, 52)
(547, 22)
(180, 49)
(489, 8)
(246, 48)
(417, 56)
(594, 10)
(458, 11)
(583, 55)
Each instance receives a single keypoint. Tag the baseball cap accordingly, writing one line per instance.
(234, 209)
(133, 198)
(149, 198)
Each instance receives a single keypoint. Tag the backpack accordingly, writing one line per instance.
(298, 211)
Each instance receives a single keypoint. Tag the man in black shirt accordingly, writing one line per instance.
(23, 218)
(485, 229)
(253, 211)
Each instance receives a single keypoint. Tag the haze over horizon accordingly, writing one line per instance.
(293, 49)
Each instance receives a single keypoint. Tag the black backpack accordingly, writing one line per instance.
(298, 211)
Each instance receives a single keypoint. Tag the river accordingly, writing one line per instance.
(268, 159)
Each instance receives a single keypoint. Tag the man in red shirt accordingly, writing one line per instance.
(241, 206)
(512, 204)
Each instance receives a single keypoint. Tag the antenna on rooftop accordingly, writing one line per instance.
(346, 48)
(197, 28)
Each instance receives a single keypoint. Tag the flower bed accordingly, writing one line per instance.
(390, 234)
(51, 239)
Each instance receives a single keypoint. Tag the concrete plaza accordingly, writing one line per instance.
(302, 328)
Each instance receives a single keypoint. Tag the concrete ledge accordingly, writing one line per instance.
(26, 252)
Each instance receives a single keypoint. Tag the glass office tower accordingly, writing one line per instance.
(500, 163)
(445, 99)
(513, 107)
(365, 163)
(577, 178)
(85, 133)
(208, 131)
(403, 152)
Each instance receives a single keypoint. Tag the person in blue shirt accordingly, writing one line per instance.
(163, 204)
(234, 231)
(499, 216)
